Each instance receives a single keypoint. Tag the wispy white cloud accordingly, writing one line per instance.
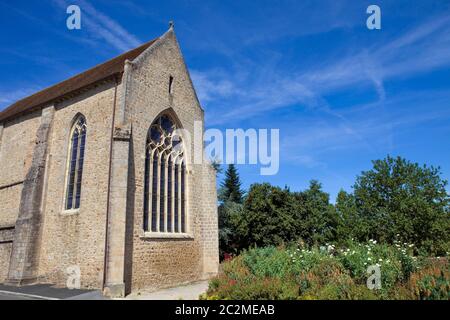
(255, 89)
(103, 27)
(8, 97)
(259, 24)
(210, 89)
(419, 50)
(316, 138)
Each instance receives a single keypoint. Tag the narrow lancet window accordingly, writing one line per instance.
(169, 195)
(76, 162)
(183, 198)
(146, 189)
(162, 188)
(154, 193)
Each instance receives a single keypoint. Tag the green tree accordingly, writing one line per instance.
(229, 217)
(318, 218)
(231, 198)
(272, 216)
(400, 200)
(231, 187)
(269, 217)
(347, 215)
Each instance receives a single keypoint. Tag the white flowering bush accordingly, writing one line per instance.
(396, 263)
(303, 260)
(332, 272)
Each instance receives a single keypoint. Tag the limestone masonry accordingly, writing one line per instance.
(105, 236)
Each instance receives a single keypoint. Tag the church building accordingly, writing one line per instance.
(96, 181)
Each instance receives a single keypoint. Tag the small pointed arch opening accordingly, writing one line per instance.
(165, 178)
(170, 85)
(75, 163)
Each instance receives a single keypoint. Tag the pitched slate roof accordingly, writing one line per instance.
(100, 72)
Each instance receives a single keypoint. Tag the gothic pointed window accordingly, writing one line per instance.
(75, 164)
(165, 179)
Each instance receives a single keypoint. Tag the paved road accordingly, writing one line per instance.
(4, 296)
(44, 292)
(47, 292)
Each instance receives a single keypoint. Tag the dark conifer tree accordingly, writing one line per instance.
(231, 187)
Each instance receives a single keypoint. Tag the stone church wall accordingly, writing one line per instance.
(16, 147)
(77, 238)
(5, 252)
(159, 263)
(9, 204)
(6, 237)
(17, 139)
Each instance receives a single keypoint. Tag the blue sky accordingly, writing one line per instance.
(340, 94)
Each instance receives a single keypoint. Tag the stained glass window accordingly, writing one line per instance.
(164, 190)
(76, 162)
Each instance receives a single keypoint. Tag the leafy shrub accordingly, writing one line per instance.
(331, 273)
(235, 269)
(265, 289)
(341, 292)
(304, 260)
(237, 282)
(432, 282)
(395, 263)
(267, 262)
